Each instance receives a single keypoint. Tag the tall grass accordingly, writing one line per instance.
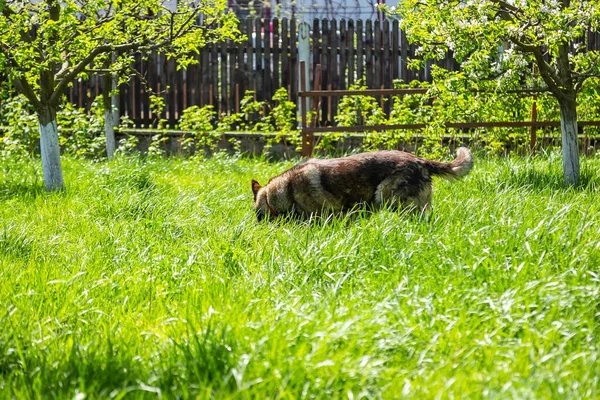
(151, 278)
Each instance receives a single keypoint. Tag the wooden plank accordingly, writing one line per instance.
(366, 92)
(134, 88)
(276, 64)
(351, 48)
(316, 100)
(232, 68)
(213, 85)
(204, 76)
(249, 64)
(343, 55)
(317, 46)
(223, 86)
(359, 53)
(377, 56)
(171, 103)
(122, 99)
(285, 59)
(533, 130)
(192, 84)
(180, 91)
(325, 67)
(334, 80)
(258, 69)
(267, 62)
(293, 61)
(369, 55)
(307, 137)
(387, 69)
(163, 86)
(404, 57)
(150, 75)
(454, 125)
(141, 88)
(240, 77)
(395, 61)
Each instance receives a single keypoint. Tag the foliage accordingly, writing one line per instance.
(499, 40)
(200, 121)
(531, 44)
(151, 275)
(22, 134)
(282, 120)
(450, 99)
(80, 132)
(48, 44)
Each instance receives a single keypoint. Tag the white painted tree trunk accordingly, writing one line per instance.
(50, 150)
(111, 113)
(570, 147)
(304, 55)
(111, 120)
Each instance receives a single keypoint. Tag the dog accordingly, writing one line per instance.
(388, 177)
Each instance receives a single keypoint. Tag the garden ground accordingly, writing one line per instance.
(151, 276)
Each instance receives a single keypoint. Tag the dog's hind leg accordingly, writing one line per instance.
(399, 192)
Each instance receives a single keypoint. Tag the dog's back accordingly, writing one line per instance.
(376, 178)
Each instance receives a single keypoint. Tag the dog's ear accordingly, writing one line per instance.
(255, 188)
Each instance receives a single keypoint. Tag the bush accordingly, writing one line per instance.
(80, 134)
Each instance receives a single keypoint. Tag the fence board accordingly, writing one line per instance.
(369, 54)
(285, 43)
(293, 60)
(351, 52)
(316, 50)
(276, 37)
(258, 59)
(387, 74)
(171, 102)
(267, 82)
(223, 62)
(343, 55)
(334, 80)
(377, 56)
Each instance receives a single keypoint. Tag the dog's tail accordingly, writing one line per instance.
(461, 166)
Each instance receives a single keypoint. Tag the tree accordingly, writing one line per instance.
(46, 45)
(503, 40)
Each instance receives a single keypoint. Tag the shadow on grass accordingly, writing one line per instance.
(10, 190)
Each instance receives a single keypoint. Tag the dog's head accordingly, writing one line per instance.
(262, 208)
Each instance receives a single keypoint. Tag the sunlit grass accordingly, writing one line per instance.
(152, 276)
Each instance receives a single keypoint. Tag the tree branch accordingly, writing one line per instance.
(68, 77)
(21, 85)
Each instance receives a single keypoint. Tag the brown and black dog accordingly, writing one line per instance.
(318, 187)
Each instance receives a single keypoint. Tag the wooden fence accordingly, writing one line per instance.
(266, 60)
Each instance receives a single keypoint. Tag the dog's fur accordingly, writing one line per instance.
(392, 178)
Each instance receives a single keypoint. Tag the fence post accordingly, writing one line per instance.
(307, 138)
(533, 131)
(303, 56)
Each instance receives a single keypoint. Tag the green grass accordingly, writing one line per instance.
(152, 276)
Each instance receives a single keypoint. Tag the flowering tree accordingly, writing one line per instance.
(46, 45)
(502, 40)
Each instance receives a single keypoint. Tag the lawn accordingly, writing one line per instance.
(151, 277)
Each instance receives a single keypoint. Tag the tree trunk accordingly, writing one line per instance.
(570, 147)
(111, 113)
(49, 149)
(111, 117)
